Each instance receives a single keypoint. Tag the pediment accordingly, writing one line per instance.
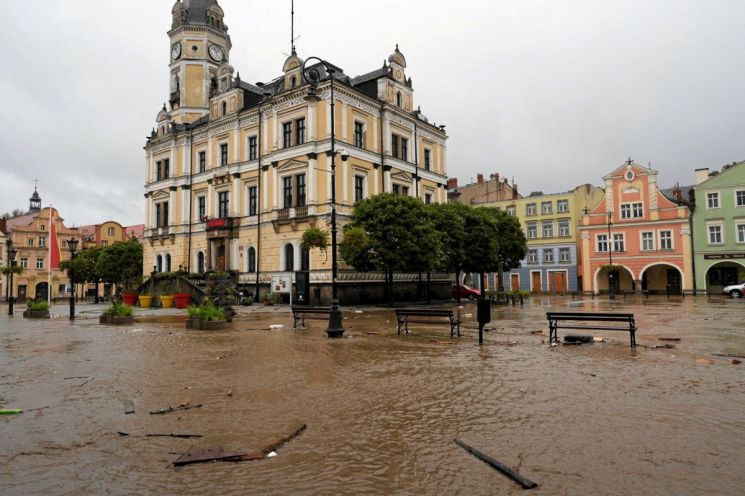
(291, 165)
(401, 176)
(161, 195)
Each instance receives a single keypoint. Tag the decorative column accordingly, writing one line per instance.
(172, 206)
(312, 192)
(311, 124)
(376, 179)
(387, 178)
(185, 197)
(235, 201)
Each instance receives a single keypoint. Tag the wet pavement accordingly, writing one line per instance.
(381, 409)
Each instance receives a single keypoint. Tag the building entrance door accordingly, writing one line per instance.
(673, 281)
(536, 278)
(220, 261)
(557, 282)
(42, 291)
(515, 282)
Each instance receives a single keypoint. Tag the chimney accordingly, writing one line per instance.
(452, 183)
(702, 175)
(514, 191)
(677, 194)
(479, 178)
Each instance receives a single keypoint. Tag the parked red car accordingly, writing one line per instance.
(465, 292)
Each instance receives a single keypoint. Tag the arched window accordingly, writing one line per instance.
(399, 99)
(304, 259)
(159, 263)
(200, 262)
(224, 108)
(168, 262)
(252, 259)
(289, 257)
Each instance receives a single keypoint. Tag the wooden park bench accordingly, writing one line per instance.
(581, 320)
(406, 316)
(299, 314)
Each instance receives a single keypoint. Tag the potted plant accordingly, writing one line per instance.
(206, 317)
(196, 318)
(166, 298)
(270, 299)
(117, 314)
(37, 310)
(314, 237)
(146, 301)
(182, 300)
(247, 301)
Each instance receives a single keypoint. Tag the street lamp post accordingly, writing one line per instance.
(611, 289)
(11, 263)
(72, 244)
(312, 76)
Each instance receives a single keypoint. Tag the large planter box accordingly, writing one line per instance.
(166, 301)
(196, 323)
(110, 319)
(182, 300)
(36, 314)
(199, 324)
(129, 299)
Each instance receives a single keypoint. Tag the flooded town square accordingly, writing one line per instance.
(382, 410)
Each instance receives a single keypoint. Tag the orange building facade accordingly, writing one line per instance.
(638, 235)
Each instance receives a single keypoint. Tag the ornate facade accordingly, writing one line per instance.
(236, 172)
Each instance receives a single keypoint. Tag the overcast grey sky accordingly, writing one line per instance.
(552, 93)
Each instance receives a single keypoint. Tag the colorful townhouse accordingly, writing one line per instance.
(719, 228)
(637, 235)
(550, 224)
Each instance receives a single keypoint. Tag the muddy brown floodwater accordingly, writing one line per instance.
(382, 410)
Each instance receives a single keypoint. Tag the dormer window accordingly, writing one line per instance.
(293, 81)
(399, 99)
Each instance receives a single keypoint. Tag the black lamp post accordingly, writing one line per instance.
(11, 263)
(611, 289)
(312, 76)
(72, 244)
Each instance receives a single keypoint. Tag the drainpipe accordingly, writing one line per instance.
(693, 253)
(258, 204)
(416, 161)
(191, 199)
(382, 149)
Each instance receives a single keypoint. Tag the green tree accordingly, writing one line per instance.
(449, 220)
(121, 264)
(400, 237)
(84, 266)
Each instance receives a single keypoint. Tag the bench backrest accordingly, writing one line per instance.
(595, 316)
(424, 313)
(311, 309)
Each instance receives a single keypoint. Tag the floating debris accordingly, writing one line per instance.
(499, 466)
(171, 409)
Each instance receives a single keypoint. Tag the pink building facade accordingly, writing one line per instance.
(637, 235)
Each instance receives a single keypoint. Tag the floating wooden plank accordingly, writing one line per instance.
(129, 407)
(182, 436)
(172, 409)
(669, 339)
(504, 469)
(728, 355)
(202, 455)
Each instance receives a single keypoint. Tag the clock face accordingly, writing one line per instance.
(176, 51)
(216, 53)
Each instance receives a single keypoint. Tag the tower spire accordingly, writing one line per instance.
(292, 26)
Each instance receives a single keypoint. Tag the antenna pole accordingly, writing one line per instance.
(292, 26)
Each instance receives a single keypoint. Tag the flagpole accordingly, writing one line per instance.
(49, 263)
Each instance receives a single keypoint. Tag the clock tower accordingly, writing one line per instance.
(200, 45)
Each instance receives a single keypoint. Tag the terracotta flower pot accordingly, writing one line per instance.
(129, 299)
(145, 301)
(166, 301)
(182, 300)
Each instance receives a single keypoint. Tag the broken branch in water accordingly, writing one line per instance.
(182, 436)
(504, 469)
(171, 409)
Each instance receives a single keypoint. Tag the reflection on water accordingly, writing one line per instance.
(382, 410)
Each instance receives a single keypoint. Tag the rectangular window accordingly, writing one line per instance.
(511, 211)
(618, 243)
(741, 233)
(740, 198)
(632, 210)
(300, 131)
(253, 148)
(546, 207)
(287, 135)
(30, 242)
(601, 243)
(532, 256)
(224, 154)
(564, 255)
(563, 228)
(300, 182)
(39, 263)
(359, 188)
(548, 256)
(428, 198)
(396, 189)
(202, 161)
(666, 240)
(715, 235)
(394, 145)
(427, 159)
(405, 190)
(637, 210)
(201, 207)
(158, 171)
(158, 210)
(626, 211)
(548, 229)
(287, 192)
(111, 231)
(404, 149)
(42, 241)
(24, 262)
(712, 200)
(223, 204)
(562, 206)
(166, 169)
(530, 209)
(252, 200)
(647, 241)
(359, 134)
(104, 243)
(532, 231)
(42, 227)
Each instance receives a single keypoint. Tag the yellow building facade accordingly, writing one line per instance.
(236, 172)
